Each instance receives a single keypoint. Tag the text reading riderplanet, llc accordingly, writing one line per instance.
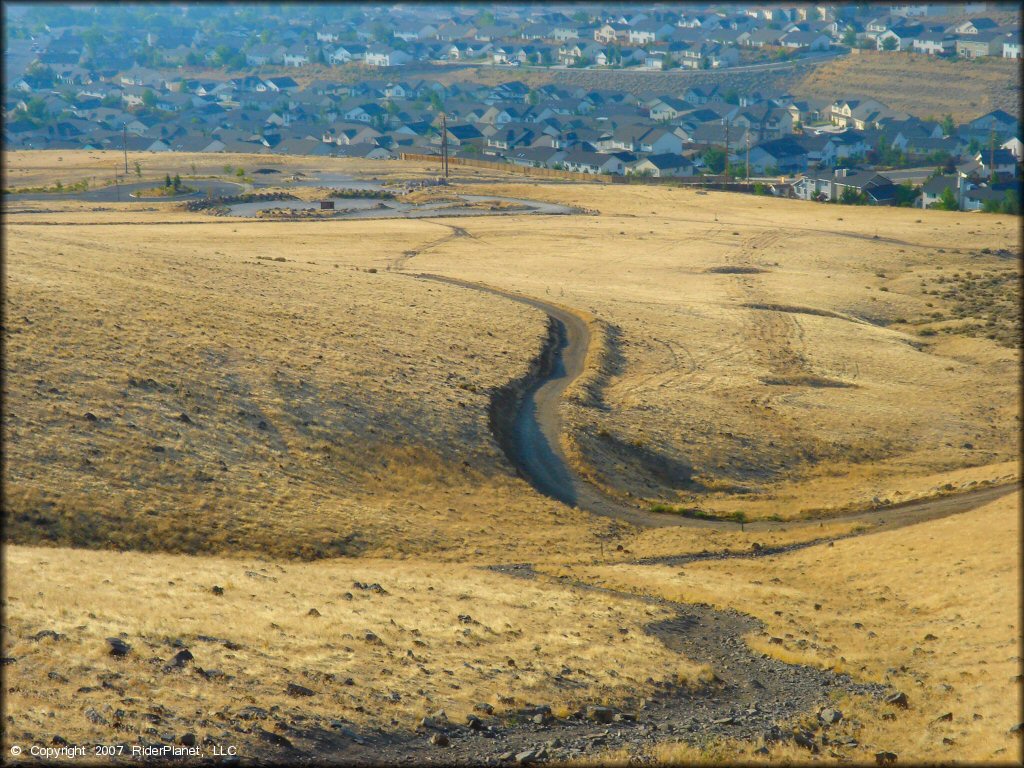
(129, 750)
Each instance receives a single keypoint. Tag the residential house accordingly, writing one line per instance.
(784, 155)
(343, 54)
(380, 57)
(974, 26)
(265, 53)
(934, 41)
(980, 45)
(663, 165)
(806, 41)
(296, 56)
(878, 189)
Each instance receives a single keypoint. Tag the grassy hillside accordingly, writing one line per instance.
(919, 84)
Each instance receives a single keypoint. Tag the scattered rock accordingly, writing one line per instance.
(372, 638)
(313, 612)
(47, 633)
(527, 757)
(181, 658)
(806, 740)
(885, 758)
(184, 418)
(599, 714)
(275, 738)
(948, 717)
(217, 590)
(930, 636)
(95, 717)
(830, 716)
(487, 709)
(898, 699)
(90, 416)
(188, 740)
(1018, 728)
(295, 689)
(118, 647)
(439, 739)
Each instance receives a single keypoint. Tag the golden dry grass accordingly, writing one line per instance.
(373, 390)
(446, 638)
(932, 609)
(723, 373)
(919, 84)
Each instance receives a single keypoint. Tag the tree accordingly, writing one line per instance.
(436, 101)
(906, 194)
(948, 125)
(148, 98)
(138, 169)
(851, 196)
(176, 182)
(947, 201)
(167, 180)
(850, 37)
(890, 44)
(714, 159)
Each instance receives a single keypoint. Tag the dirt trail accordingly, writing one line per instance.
(531, 431)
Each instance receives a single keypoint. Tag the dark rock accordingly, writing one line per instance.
(624, 717)
(474, 723)
(299, 690)
(313, 612)
(217, 590)
(59, 741)
(118, 647)
(885, 758)
(1018, 728)
(181, 658)
(47, 633)
(599, 714)
(439, 739)
(275, 738)
(95, 717)
(487, 709)
(253, 713)
(188, 740)
(948, 717)
(8, 660)
(90, 416)
(898, 699)
(57, 676)
(184, 418)
(806, 740)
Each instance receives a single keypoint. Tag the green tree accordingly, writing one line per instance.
(851, 196)
(138, 169)
(148, 98)
(889, 44)
(850, 37)
(436, 101)
(167, 180)
(714, 159)
(176, 182)
(948, 125)
(947, 201)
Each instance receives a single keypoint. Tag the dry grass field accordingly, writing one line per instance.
(434, 638)
(914, 608)
(776, 351)
(920, 84)
(281, 409)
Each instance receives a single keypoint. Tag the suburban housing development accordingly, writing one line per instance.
(356, 82)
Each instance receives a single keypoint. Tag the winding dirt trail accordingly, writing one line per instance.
(532, 441)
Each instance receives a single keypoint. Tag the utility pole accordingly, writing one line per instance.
(748, 156)
(992, 155)
(727, 153)
(444, 143)
(124, 145)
